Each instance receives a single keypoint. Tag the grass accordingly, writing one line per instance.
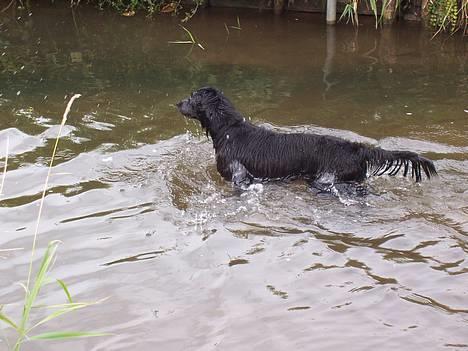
(350, 11)
(24, 327)
(5, 166)
(443, 15)
(190, 39)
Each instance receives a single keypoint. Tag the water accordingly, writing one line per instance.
(188, 262)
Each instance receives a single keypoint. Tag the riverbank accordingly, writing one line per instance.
(437, 15)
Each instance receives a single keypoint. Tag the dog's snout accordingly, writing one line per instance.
(184, 107)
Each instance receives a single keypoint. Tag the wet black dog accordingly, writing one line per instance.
(245, 152)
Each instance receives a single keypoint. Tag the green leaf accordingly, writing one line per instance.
(38, 283)
(373, 5)
(7, 320)
(385, 4)
(348, 13)
(55, 315)
(74, 304)
(65, 289)
(60, 335)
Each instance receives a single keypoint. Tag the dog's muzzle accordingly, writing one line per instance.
(185, 108)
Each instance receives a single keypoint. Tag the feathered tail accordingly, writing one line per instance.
(381, 162)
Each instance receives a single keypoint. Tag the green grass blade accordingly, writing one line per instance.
(189, 34)
(373, 5)
(8, 321)
(347, 13)
(46, 183)
(69, 308)
(38, 283)
(60, 335)
(72, 305)
(5, 165)
(385, 4)
(55, 315)
(65, 289)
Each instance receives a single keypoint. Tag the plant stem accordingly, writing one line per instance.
(26, 310)
(5, 166)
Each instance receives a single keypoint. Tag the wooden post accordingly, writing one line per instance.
(331, 11)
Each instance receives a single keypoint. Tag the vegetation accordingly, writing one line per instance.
(129, 7)
(448, 15)
(24, 327)
(443, 15)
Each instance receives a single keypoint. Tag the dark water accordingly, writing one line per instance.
(187, 262)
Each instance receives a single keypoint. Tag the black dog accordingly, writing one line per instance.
(245, 152)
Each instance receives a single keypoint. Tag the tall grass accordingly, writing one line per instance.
(5, 166)
(25, 326)
(443, 15)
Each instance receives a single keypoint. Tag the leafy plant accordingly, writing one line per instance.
(443, 14)
(24, 327)
(350, 13)
(149, 6)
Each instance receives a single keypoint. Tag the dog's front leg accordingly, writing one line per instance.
(239, 174)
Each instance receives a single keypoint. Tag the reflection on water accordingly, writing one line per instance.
(189, 262)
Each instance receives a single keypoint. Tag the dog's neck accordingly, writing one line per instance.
(220, 119)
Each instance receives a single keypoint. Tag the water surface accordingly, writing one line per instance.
(188, 262)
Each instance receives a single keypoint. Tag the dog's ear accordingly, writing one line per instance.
(209, 91)
(209, 98)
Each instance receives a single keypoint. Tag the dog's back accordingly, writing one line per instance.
(268, 154)
(249, 151)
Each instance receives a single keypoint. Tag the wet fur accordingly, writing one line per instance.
(245, 151)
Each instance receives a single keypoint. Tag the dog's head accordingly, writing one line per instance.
(210, 107)
(199, 102)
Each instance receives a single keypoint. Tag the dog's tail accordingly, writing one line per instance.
(381, 162)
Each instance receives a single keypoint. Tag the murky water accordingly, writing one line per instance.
(188, 262)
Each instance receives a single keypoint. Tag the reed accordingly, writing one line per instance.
(443, 15)
(24, 327)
